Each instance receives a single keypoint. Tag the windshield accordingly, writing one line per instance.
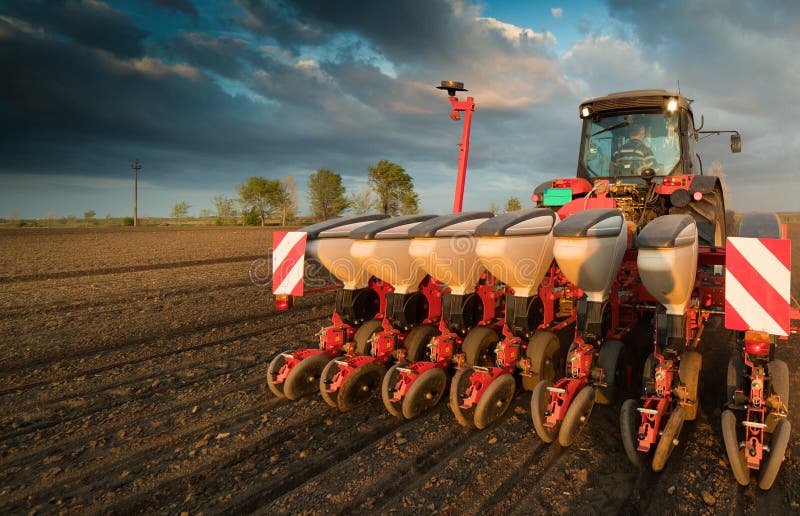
(624, 145)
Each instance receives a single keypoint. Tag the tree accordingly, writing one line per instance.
(205, 213)
(262, 194)
(89, 215)
(394, 188)
(225, 208)
(326, 194)
(362, 202)
(180, 210)
(494, 208)
(513, 204)
(287, 199)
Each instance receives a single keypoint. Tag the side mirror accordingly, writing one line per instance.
(736, 143)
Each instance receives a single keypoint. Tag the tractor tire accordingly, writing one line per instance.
(629, 428)
(778, 373)
(610, 360)
(771, 467)
(669, 438)
(735, 378)
(544, 352)
(304, 378)
(735, 455)
(478, 346)
(417, 341)
(390, 379)
(709, 212)
(325, 380)
(689, 373)
(576, 417)
(539, 401)
(360, 386)
(272, 374)
(363, 336)
(458, 387)
(495, 400)
(425, 392)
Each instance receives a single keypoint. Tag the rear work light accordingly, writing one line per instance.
(284, 302)
(756, 343)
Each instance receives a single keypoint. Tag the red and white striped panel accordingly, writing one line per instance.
(288, 259)
(757, 284)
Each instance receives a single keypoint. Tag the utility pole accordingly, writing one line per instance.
(136, 167)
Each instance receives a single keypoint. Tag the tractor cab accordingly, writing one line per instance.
(626, 133)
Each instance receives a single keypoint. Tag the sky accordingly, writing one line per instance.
(208, 93)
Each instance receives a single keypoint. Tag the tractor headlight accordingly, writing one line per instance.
(672, 105)
(585, 112)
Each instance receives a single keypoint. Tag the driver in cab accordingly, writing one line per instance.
(634, 155)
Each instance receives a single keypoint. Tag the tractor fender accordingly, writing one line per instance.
(703, 184)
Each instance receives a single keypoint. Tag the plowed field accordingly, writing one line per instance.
(132, 379)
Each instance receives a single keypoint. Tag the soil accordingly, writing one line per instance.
(132, 379)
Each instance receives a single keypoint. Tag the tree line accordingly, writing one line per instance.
(389, 189)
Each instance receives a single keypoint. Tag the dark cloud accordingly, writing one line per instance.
(88, 22)
(176, 6)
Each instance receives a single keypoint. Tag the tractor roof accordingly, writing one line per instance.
(635, 100)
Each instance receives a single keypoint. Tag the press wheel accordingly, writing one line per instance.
(735, 455)
(576, 417)
(360, 385)
(669, 438)
(629, 420)
(390, 380)
(424, 393)
(540, 399)
(325, 380)
(689, 372)
(544, 352)
(458, 388)
(272, 375)
(417, 341)
(478, 346)
(363, 336)
(495, 400)
(771, 466)
(304, 378)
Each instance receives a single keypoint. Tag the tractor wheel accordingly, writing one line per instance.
(576, 417)
(544, 352)
(478, 346)
(770, 467)
(495, 400)
(779, 378)
(735, 455)
(417, 342)
(458, 388)
(424, 393)
(689, 372)
(304, 378)
(669, 438)
(359, 387)
(629, 428)
(272, 375)
(363, 336)
(539, 401)
(390, 380)
(709, 212)
(735, 378)
(648, 372)
(610, 360)
(325, 380)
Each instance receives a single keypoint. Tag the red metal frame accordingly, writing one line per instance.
(466, 107)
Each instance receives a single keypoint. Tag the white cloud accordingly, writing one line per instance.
(557, 12)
